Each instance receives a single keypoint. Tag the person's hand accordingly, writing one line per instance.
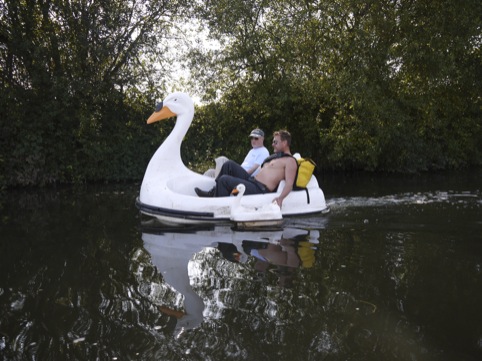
(278, 201)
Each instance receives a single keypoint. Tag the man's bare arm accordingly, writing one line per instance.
(290, 173)
(253, 168)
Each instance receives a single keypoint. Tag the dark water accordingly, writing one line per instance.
(394, 271)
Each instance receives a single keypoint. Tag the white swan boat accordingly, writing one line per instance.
(167, 190)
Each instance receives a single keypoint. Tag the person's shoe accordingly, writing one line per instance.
(201, 193)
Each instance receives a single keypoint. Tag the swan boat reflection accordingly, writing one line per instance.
(171, 253)
(167, 190)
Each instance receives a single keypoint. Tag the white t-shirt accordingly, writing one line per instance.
(255, 156)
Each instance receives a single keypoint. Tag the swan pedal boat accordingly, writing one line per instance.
(167, 190)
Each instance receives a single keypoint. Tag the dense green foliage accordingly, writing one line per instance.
(76, 87)
(377, 85)
(388, 85)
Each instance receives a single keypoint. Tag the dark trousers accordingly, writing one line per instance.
(231, 175)
(233, 169)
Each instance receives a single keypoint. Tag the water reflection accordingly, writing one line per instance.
(393, 277)
(280, 252)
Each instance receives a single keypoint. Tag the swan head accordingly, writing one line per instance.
(239, 190)
(175, 104)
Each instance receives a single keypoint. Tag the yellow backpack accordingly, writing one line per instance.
(306, 167)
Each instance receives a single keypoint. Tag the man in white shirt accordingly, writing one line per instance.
(257, 154)
(250, 166)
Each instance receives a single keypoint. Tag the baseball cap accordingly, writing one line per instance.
(256, 133)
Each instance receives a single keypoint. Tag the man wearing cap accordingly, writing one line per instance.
(250, 165)
(257, 154)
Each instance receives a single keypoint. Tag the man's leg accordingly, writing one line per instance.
(230, 168)
(226, 184)
(233, 169)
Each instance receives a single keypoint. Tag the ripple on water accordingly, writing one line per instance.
(470, 198)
